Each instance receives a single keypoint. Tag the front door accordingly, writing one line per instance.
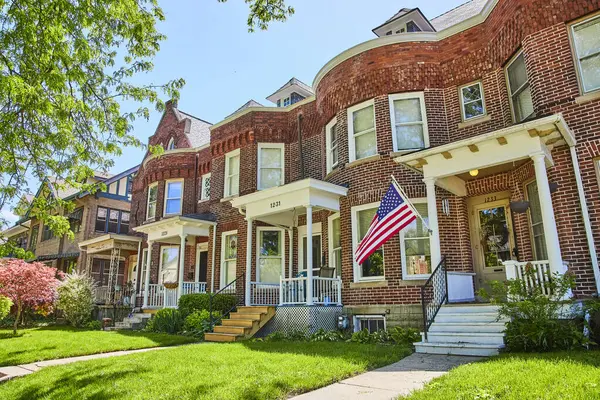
(492, 239)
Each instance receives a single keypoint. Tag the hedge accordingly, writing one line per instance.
(200, 301)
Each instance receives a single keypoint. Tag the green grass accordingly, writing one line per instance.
(260, 370)
(48, 343)
(562, 375)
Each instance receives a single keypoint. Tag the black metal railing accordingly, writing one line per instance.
(434, 294)
(229, 289)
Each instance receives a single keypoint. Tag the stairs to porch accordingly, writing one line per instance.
(470, 330)
(136, 322)
(242, 324)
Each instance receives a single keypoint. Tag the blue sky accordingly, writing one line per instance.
(208, 44)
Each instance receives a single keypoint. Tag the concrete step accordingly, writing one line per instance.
(458, 349)
(468, 317)
(467, 309)
(220, 337)
(235, 330)
(246, 323)
(466, 337)
(253, 316)
(474, 327)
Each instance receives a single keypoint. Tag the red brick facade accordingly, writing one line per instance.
(537, 27)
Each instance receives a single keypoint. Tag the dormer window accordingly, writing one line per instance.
(287, 101)
(171, 145)
(412, 27)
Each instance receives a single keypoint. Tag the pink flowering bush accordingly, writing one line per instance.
(29, 286)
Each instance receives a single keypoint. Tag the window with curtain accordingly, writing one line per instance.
(540, 251)
(372, 268)
(230, 242)
(415, 247)
(270, 257)
(586, 38)
(152, 197)
(471, 99)
(270, 165)
(361, 127)
(232, 173)
(409, 123)
(519, 90)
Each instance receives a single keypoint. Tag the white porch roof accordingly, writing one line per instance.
(173, 228)
(280, 205)
(515, 143)
(110, 241)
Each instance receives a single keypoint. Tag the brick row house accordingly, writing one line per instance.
(486, 116)
(96, 219)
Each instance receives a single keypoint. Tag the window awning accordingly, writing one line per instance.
(280, 205)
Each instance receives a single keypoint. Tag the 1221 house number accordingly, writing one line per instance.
(275, 204)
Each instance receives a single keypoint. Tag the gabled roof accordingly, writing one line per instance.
(248, 104)
(293, 82)
(198, 133)
(402, 13)
(458, 14)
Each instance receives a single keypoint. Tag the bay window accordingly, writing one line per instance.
(373, 268)
(270, 165)
(173, 197)
(362, 136)
(152, 196)
(518, 89)
(331, 144)
(409, 121)
(415, 246)
(232, 173)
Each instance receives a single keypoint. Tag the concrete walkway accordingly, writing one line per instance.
(7, 373)
(401, 378)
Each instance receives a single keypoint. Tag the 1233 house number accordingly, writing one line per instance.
(275, 204)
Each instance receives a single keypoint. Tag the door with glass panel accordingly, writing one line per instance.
(492, 240)
(270, 256)
(229, 265)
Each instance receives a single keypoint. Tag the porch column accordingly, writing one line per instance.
(181, 265)
(248, 261)
(309, 256)
(291, 258)
(434, 239)
(147, 277)
(550, 231)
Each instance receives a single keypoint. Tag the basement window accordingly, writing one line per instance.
(372, 323)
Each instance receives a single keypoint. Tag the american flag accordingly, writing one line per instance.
(393, 215)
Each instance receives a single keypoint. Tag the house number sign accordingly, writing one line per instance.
(275, 204)
(490, 199)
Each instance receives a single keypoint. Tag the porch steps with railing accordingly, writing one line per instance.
(469, 330)
(242, 324)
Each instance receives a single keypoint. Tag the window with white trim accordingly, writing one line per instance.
(332, 145)
(205, 187)
(229, 247)
(586, 43)
(371, 323)
(472, 104)
(362, 136)
(409, 121)
(335, 243)
(271, 163)
(540, 251)
(270, 255)
(173, 197)
(171, 145)
(518, 89)
(415, 245)
(373, 268)
(232, 173)
(152, 197)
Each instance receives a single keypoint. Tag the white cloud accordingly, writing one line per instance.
(8, 218)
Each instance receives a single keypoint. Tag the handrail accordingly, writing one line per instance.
(437, 287)
(212, 295)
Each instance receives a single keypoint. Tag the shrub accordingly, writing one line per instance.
(222, 303)
(198, 322)
(76, 299)
(405, 336)
(538, 322)
(329, 336)
(5, 305)
(167, 320)
(94, 325)
(362, 336)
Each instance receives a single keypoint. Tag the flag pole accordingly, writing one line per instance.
(395, 183)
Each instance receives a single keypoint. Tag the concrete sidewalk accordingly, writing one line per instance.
(401, 378)
(15, 371)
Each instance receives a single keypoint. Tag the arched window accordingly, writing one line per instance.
(171, 145)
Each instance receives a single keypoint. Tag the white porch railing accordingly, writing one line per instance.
(155, 296)
(264, 294)
(540, 276)
(170, 297)
(325, 291)
(194, 287)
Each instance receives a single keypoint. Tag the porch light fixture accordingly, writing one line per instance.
(519, 207)
(474, 172)
(553, 187)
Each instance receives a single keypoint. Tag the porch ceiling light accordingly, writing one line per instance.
(474, 172)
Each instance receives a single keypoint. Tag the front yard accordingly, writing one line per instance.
(260, 370)
(560, 375)
(48, 343)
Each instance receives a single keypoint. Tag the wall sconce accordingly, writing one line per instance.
(474, 172)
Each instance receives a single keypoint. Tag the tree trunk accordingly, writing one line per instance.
(16, 324)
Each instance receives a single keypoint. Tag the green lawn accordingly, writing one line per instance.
(564, 375)
(47, 343)
(261, 370)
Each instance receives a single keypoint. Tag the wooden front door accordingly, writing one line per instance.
(492, 238)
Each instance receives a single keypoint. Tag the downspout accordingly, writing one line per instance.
(586, 217)
(300, 153)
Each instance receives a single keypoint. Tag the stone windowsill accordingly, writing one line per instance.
(363, 161)
(228, 198)
(588, 97)
(332, 172)
(475, 121)
(368, 284)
